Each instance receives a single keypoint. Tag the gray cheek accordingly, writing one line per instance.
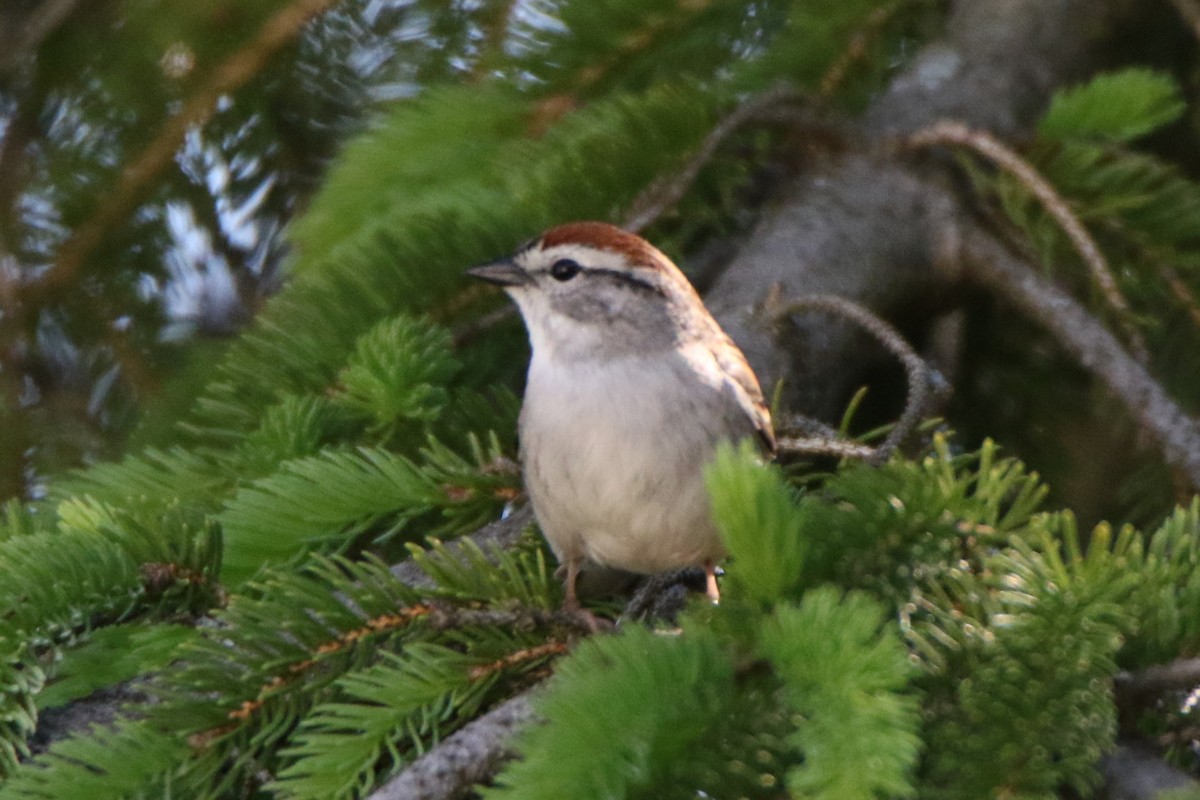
(622, 323)
(589, 308)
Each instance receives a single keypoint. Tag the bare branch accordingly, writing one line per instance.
(1181, 675)
(1183, 293)
(467, 757)
(985, 144)
(821, 446)
(990, 264)
(23, 28)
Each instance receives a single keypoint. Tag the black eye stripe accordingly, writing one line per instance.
(627, 279)
(565, 269)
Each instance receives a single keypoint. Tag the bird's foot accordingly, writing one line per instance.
(710, 583)
(585, 618)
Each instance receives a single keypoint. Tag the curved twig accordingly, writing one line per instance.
(914, 367)
(823, 446)
(949, 132)
(665, 193)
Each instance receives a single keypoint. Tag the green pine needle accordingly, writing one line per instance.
(620, 711)
(1114, 107)
(847, 676)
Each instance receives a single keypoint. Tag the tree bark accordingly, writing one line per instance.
(882, 230)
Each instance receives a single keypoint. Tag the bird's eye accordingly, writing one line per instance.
(564, 269)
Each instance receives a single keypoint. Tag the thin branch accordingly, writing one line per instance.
(990, 264)
(466, 758)
(466, 333)
(914, 367)
(136, 178)
(856, 50)
(522, 656)
(664, 194)
(985, 144)
(1183, 293)
(822, 446)
(1181, 675)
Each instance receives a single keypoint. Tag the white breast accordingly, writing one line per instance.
(614, 455)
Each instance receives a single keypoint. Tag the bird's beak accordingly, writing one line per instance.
(504, 272)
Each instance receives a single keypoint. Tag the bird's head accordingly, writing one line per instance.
(589, 289)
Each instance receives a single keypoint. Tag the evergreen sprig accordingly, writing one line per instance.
(619, 712)
(1114, 107)
(846, 676)
(890, 528)
(398, 373)
(325, 501)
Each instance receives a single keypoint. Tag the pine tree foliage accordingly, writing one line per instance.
(104, 567)
(916, 629)
(624, 712)
(395, 708)
(885, 529)
(757, 517)
(621, 711)
(362, 669)
(16, 520)
(151, 475)
(858, 735)
(129, 762)
(398, 373)
(111, 655)
(330, 498)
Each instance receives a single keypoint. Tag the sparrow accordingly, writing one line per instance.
(631, 387)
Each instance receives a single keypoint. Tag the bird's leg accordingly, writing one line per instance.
(571, 601)
(570, 604)
(710, 582)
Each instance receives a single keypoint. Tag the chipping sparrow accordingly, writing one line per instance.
(631, 386)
